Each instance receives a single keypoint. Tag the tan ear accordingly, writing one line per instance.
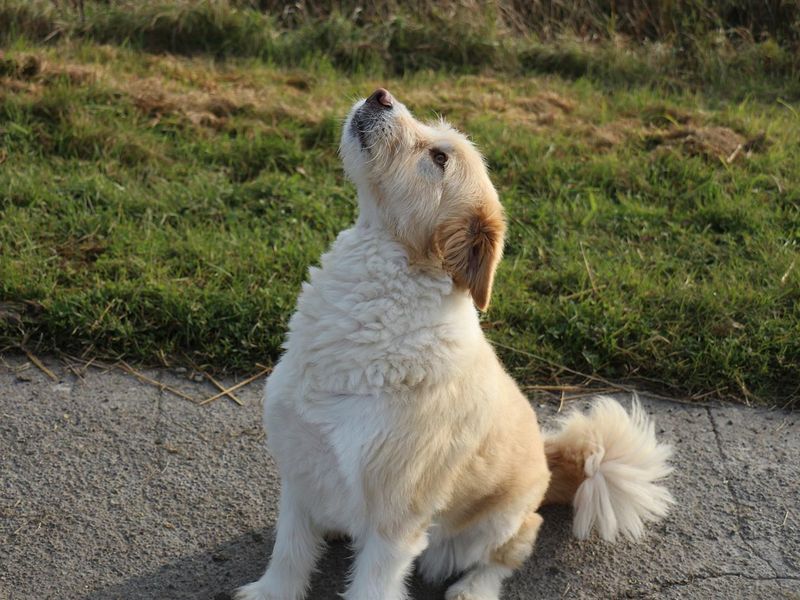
(470, 248)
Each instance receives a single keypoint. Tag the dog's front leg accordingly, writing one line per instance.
(297, 546)
(382, 564)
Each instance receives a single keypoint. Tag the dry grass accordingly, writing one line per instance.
(199, 94)
(722, 46)
(194, 92)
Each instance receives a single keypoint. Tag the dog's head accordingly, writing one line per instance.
(428, 186)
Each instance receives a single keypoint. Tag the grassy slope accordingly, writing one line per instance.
(156, 207)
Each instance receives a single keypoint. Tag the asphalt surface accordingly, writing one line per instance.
(111, 488)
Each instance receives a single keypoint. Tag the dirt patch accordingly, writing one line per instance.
(154, 104)
(546, 102)
(74, 74)
(80, 252)
(660, 115)
(673, 130)
(18, 86)
(299, 82)
(209, 101)
(662, 127)
(659, 125)
(205, 119)
(220, 107)
(215, 107)
(536, 113)
(540, 111)
(605, 137)
(30, 67)
(201, 109)
(21, 67)
(708, 142)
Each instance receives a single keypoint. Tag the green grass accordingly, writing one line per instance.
(164, 208)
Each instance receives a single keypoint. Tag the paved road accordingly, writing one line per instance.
(113, 489)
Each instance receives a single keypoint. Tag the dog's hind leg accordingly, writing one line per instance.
(484, 580)
(298, 543)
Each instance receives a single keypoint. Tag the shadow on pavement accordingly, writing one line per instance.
(214, 575)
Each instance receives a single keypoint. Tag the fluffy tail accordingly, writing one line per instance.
(608, 463)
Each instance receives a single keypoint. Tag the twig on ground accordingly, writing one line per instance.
(92, 362)
(747, 394)
(222, 388)
(588, 269)
(552, 363)
(78, 370)
(76, 366)
(734, 154)
(568, 393)
(619, 387)
(587, 394)
(233, 388)
(32, 357)
(162, 386)
(582, 293)
(555, 388)
(567, 390)
(785, 276)
(783, 424)
(706, 394)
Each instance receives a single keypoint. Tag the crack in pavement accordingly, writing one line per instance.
(731, 490)
(700, 578)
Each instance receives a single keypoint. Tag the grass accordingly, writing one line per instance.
(164, 207)
(731, 48)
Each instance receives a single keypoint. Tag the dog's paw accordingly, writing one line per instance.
(254, 591)
(462, 590)
(464, 595)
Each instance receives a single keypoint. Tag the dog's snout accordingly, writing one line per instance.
(381, 98)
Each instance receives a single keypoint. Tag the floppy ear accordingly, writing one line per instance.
(470, 248)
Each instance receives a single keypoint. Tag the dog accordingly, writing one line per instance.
(390, 417)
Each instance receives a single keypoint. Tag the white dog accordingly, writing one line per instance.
(389, 415)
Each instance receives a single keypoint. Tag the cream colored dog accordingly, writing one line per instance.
(389, 415)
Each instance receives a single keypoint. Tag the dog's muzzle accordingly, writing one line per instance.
(369, 116)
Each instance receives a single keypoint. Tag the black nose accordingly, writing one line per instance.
(381, 98)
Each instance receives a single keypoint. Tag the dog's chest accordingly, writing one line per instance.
(367, 323)
(347, 455)
(350, 455)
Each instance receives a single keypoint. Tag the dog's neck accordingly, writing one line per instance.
(370, 220)
(368, 216)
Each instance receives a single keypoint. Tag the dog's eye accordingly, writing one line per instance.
(439, 157)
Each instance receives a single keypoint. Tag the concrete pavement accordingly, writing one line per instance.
(111, 488)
